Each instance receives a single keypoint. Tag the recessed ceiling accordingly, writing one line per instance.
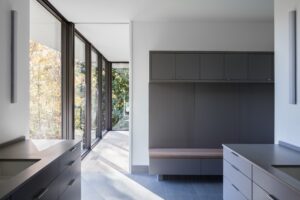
(112, 40)
(112, 11)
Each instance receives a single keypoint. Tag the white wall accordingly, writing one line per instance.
(14, 117)
(287, 116)
(225, 36)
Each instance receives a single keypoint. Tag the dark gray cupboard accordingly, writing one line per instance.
(206, 99)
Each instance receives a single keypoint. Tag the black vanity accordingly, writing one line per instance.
(41, 169)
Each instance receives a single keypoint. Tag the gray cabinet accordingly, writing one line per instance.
(212, 66)
(187, 66)
(236, 66)
(162, 66)
(261, 67)
(59, 180)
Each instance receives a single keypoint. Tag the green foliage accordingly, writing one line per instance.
(120, 93)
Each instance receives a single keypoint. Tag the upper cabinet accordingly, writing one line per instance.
(249, 67)
(236, 66)
(187, 66)
(212, 66)
(261, 67)
(162, 66)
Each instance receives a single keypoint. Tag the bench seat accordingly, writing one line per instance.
(185, 161)
(188, 153)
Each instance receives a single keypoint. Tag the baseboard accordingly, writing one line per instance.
(139, 169)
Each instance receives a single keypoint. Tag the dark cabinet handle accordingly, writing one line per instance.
(269, 196)
(71, 163)
(73, 149)
(234, 167)
(71, 182)
(41, 194)
(237, 189)
(235, 154)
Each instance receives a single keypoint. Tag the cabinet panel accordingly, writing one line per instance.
(39, 185)
(273, 187)
(212, 66)
(256, 113)
(260, 194)
(236, 66)
(73, 192)
(171, 114)
(187, 66)
(242, 164)
(261, 67)
(231, 192)
(242, 182)
(163, 66)
(216, 115)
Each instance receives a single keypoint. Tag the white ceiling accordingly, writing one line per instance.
(112, 40)
(95, 12)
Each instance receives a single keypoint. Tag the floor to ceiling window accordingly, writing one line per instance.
(120, 96)
(80, 91)
(45, 74)
(104, 99)
(95, 93)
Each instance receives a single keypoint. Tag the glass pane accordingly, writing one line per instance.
(80, 91)
(94, 95)
(120, 96)
(45, 74)
(104, 98)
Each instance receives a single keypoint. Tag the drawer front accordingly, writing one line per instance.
(260, 194)
(274, 188)
(242, 164)
(230, 192)
(70, 156)
(73, 191)
(68, 175)
(239, 180)
(39, 186)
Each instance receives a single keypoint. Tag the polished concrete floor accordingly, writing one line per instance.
(105, 176)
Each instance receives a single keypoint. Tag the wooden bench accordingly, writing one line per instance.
(185, 161)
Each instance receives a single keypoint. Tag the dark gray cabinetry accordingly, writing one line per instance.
(187, 66)
(212, 66)
(52, 182)
(260, 67)
(162, 66)
(236, 66)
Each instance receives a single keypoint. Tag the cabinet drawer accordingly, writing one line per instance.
(231, 192)
(73, 191)
(260, 194)
(242, 164)
(239, 180)
(68, 175)
(274, 188)
(70, 156)
(39, 185)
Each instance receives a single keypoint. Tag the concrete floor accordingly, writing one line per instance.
(105, 176)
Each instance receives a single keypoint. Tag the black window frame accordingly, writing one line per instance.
(68, 33)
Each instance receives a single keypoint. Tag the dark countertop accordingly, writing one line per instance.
(265, 155)
(46, 151)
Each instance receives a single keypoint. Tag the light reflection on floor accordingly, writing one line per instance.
(105, 177)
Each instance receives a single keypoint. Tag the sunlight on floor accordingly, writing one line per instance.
(105, 169)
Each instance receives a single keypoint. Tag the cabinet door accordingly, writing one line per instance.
(187, 66)
(73, 192)
(236, 66)
(212, 66)
(261, 67)
(162, 66)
